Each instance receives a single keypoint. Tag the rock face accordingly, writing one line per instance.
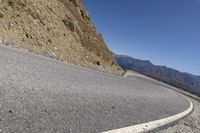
(61, 29)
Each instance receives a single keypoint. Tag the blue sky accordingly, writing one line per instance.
(166, 32)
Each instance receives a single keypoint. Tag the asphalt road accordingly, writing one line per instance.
(41, 95)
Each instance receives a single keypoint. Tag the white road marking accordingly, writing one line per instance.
(149, 126)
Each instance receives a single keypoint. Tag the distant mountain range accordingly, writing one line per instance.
(171, 76)
(196, 77)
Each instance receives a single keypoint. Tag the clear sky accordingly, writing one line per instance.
(166, 32)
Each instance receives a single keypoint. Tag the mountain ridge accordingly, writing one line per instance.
(171, 76)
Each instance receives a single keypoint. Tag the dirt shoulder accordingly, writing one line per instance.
(190, 124)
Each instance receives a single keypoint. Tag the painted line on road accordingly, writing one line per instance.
(153, 125)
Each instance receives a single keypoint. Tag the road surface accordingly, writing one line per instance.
(38, 94)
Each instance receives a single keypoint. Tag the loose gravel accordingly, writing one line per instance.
(190, 124)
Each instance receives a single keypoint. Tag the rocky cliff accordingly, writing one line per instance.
(61, 29)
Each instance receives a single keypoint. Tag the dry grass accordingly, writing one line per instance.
(90, 39)
(39, 26)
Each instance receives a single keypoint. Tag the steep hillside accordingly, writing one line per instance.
(183, 80)
(61, 29)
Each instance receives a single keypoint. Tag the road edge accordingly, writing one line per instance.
(157, 124)
(179, 90)
(153, 125)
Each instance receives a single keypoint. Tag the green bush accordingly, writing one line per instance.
(69, 23)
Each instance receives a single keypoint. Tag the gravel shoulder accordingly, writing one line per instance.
(190, 124)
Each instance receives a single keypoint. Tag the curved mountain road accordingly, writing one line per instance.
(38, 94)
